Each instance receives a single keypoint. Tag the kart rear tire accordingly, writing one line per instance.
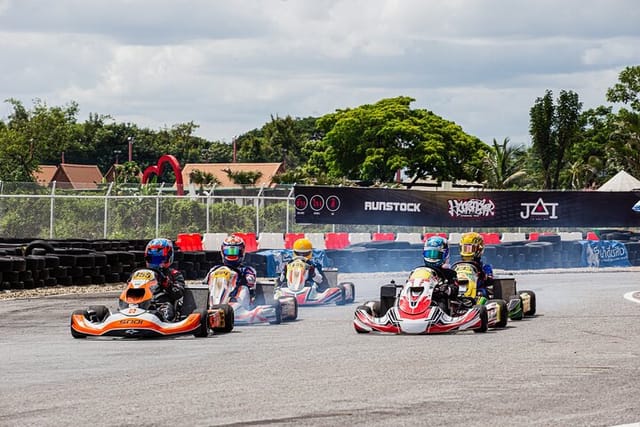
(484, 319)
(503, 312)
(290, 301)
(75, 333)
(203, 330)
(532, 303)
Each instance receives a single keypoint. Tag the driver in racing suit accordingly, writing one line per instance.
(304, 248)
(436, 256)
(232, 251)
(158, 256)
(471, 250)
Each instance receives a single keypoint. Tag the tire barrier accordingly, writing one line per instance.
(46, 263)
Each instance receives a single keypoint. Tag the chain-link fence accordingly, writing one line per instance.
(130, 211)
(133, 211)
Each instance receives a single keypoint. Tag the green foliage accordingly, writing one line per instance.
(243, 177)
(502, 165)
(627, 90)
(372, 142)
(554, 129)
(228, 217)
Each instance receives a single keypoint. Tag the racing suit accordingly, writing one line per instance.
(315, 274)
(485, 277)
(245, 288)
(448, 290)
(168, 293)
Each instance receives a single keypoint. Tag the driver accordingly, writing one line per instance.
(158, 255)
(232, 251)
(304, 248)
(436, 256)
(471, 250)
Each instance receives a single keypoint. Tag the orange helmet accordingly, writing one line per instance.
(303, 248)
(471, 246)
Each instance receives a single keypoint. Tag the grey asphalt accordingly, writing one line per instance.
(577, 363)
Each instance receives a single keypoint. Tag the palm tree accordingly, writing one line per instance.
(501, 167)
(201, 178)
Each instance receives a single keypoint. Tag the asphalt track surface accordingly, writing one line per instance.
(577, 363)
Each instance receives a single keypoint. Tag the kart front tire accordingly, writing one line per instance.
(278, 319)
(342, 300)
(503, 312)
(101, 311)
(203, 329)
(367, 309)
(228, 315)
(484, 319)
(349, 286)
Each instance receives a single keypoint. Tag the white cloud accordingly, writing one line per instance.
(228, 66)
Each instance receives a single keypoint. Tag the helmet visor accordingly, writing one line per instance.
(231, 251)
(434, 254)
(468, 249)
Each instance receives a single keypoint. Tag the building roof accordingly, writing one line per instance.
(268, 170)
(621, 181)
(44, 174)
(77, 176)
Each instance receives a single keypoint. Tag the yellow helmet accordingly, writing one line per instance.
(303, 248)
(471, 246)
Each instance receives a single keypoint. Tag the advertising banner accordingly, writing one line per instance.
(604, 253)
(543, 209)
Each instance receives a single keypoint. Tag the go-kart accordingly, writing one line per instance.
(418, 307)
(137, 315)
(223, 281)
(298, 284)
(501, 291)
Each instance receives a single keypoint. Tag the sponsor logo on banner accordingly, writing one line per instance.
(392, 206)
(605, 253)
(471, 208)
(636, 207)
(539, 210)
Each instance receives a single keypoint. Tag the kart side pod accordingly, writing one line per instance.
(504, 287)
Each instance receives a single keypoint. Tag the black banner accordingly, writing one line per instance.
(347, 205)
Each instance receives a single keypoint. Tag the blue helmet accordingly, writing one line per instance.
(436, 252)
(159, 253)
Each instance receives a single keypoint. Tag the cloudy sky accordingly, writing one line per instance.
(229, 65)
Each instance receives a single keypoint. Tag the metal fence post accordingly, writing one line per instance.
(106, 208)
(51, 208)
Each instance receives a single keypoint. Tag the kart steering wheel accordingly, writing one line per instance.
(467, 302)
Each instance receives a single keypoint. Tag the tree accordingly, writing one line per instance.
(625, 137)
(627, 90)
(372, 142)
(128, 172)
(32, 137)
(501, 165)
(243, 177)
(201, 178)
(554, 129)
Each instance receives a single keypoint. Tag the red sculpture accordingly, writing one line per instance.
(157, 170)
